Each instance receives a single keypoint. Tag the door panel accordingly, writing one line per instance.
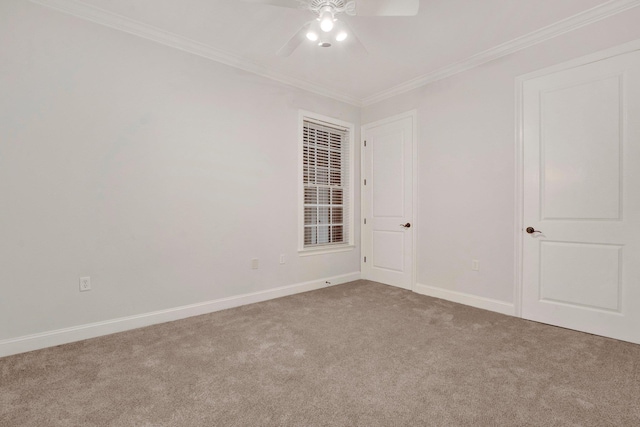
(582, 195)
(388, 201)
(580, 144)
(566, 267)
(387, 172)
(388, 250)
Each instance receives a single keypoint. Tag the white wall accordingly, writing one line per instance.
(121, 159)
(467, 166)
(158, 173)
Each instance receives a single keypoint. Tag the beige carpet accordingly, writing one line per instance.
(360, 354)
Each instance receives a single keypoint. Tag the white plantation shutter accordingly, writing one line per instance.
(326, 184)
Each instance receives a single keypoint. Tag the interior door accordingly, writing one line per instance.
(387, 186)
(581, 243)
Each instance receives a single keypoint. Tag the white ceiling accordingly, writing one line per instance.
(400, 49)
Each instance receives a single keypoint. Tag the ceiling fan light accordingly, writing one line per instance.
(312, 35)
(342, 35)
(326, 22)
(326, 25)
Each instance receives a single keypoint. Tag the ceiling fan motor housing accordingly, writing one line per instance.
(336, 6)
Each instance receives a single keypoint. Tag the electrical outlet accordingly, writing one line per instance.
(85, 284)
(255, 263)
(475, 265)
(281, 258)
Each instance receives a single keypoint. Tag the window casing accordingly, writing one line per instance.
(326, 185)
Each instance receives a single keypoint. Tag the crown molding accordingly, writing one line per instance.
(109, 19)
(574, 22)
(149, 32)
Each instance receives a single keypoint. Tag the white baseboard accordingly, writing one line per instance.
(92, 330)
(466, 299)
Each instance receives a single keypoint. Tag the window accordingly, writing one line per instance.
(326, 184)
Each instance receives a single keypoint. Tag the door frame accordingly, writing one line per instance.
(413, 114)
(519, 151)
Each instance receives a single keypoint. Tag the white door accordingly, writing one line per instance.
(387, 186)
(581, 265)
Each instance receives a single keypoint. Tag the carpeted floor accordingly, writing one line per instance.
(359, 354)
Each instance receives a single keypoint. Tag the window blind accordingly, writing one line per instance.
(326, 180)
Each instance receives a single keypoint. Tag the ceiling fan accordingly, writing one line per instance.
(326, 29)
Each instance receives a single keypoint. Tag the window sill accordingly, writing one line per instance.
(325, 250)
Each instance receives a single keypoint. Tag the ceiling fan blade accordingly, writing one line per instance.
(387, 7)
(294, 4)
(294, 41)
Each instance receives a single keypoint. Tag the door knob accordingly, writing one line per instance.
(407, 225)
(532, 230)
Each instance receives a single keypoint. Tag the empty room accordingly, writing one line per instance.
(319, 213)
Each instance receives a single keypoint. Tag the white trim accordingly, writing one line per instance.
(350, 129)
(413, 114)
(128, 25)
(519, 190)
(414, 223)
(519, 137)
(97, 329)
(583, 60)
(158, 35)
(569, 24)
(362, 203)
(324, 251)
(466, 299)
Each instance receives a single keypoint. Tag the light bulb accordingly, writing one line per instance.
(342, 35)
(326, 22)
(313, 36)
(326, 25)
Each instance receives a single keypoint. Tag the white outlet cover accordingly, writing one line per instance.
(255, 263)
(85, 284)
